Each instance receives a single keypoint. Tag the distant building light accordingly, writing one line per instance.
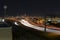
(58, 21)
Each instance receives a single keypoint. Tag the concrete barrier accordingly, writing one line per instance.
(5, 33)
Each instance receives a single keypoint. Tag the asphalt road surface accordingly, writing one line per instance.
(18, 33)
(23, 34)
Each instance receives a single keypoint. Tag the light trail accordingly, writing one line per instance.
(16, 23)
(26, 23)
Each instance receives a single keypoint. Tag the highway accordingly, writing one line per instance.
(39, 28)
(27, 24)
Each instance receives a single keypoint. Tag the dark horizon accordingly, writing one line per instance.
(36, 8)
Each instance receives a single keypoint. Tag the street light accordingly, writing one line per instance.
(5, 9)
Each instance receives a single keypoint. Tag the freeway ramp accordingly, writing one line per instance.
(49, 32)
(26, 23)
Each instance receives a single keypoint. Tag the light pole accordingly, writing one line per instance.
(45, 24)
(5, 10)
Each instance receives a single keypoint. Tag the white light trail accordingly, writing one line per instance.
(26, 23)
(15, 23)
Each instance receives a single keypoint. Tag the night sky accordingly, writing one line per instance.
(37, 8)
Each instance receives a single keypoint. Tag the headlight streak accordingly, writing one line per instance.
(16, 23)
(26, 23)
